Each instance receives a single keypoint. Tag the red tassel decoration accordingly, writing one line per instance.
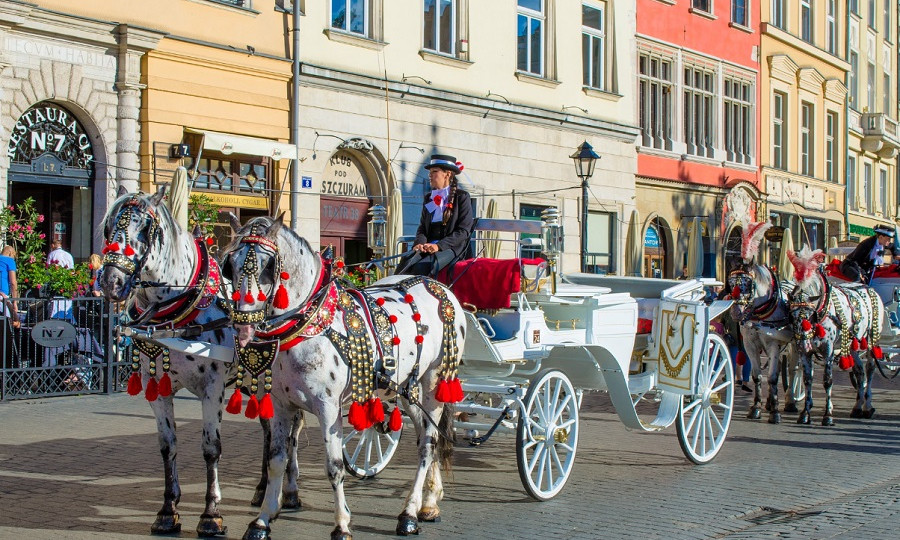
(152, 391)
(443, 392)
(395, 340)
(357, 416)
(820, 331)
(236, 296)
(456, 393)
(806, 326)
(854, 345)
(877, 352)
(396, 421)
(846, 362)
(376, 411)
(379, 301)
(266, 411)
(236, 402)
(864, 344)
(741, 358)
(420, 339)
(417, 317)
(252, 408)
(129, 251)
(210, 241)
(248, 298)
(281, 298)
(112, 247)
(393, 319)
(165, 385)
(285, 276)
(736, 292)
(134, 384)
(261, 296)
(408, 299)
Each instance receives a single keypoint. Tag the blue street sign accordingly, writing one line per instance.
(306, 182)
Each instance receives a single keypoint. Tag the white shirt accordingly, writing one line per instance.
(61, 257)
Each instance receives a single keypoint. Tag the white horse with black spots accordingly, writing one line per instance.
(168, 277)
(401, 336)
(830, 320)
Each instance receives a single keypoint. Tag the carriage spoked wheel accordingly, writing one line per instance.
(547, 434)
(368, 452)
(704, 418)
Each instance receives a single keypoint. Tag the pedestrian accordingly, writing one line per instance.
(446, 223)
(60, 256)
(683, 273)
(734, 340)
(96, 263)
(859, 265)
(9, 287)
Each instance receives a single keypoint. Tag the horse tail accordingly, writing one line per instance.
(446, 438)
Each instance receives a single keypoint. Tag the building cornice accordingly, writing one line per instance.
(782, 68)
(794, 42)
(835, 91)
(810, 79)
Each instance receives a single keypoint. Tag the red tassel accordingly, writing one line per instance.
(236, 296)
(456, 393)
(376, 411)
(736, 292)
(396, 421)
(112, 247)
(266, 411)
(165, 385)
(820, 331)
(864, 344)
(877, 352)
(379, 301)
(417, 317)
(741, 358)
(806, 326)
(281, 298)
(236, 402)
(846, 362)
(393, 319)
(285, 276)
(210, 241)
(854, 345)
(129, 251)
(443, 392)
(357, 416)
(248, 298)
(261, 296)
(396, 340)
(408, 299)
(420, 339)
(134, 384)
(252, 408)
(152, 391)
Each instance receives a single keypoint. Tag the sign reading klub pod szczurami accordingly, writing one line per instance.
(49, 129)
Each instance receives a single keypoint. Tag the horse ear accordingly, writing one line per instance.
(277, 223)
(158, 196)
(121, 191)
(234, 222)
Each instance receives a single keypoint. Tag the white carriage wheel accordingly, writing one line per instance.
(547, 434)
(704, 417)
(368, 452)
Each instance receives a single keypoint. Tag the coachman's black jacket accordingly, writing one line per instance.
(455, 236)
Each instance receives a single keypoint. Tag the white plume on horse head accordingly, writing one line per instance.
(751, 236)
(805, 263)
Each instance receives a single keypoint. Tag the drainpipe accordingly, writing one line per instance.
(847, 128)
(295, 118)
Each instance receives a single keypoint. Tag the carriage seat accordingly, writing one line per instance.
(833, 270)
(486, 283)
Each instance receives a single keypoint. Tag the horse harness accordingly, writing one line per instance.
(761, 313)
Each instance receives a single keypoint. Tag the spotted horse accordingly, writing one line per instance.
(761, 310)
(171, 283)
(834, 320)
(401, 336)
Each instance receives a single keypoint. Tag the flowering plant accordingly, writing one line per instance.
(360, 276)
(202, 213)
(20, 229)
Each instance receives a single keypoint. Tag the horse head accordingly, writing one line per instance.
(269, 268)
(808, 302)
(131, 228)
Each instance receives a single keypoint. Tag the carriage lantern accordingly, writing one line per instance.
(377, 230)
(552, 238)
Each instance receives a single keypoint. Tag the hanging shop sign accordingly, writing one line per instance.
(774, 234)
(50, 139)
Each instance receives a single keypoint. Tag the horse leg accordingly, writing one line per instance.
(279, 427)
(260, 492)
(332, 428)
(870, 372)
(807, 363)
(754, 413)
(828, 383)
(790, 373)
(856, 374)
(167, 519)
(772, 401)
(291, 497)
(211, 520)
(407, 521)
(434, 488)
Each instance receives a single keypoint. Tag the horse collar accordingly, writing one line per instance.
(767, 308)
(312, 319)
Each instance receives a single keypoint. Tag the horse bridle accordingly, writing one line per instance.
(810, 309)
(746, 285)
(121, 257)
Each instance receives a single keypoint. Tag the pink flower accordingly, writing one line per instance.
(42, 236)
(40, 286)
(31, 259)
(21, 236)
(29, 229)
(10, 208)
(40, 218)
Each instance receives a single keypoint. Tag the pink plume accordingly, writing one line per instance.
(805, 263)
(751, 236)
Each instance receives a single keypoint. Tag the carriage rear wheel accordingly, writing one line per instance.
(368, 452)
(547, 434)
(704, 417)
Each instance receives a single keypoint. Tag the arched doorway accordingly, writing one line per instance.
(733, 250)
(52, 162)
(655, 250)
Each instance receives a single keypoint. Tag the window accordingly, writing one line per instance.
(806, 21)
(852, 199)
(830, 127)
(699, 110)
(247, 176)
(238, 3)
(350, 16)
(702, 5)
(656, 91)
(440, 26)
(600, 243)
(592, 49)
(739, 12)
(738, 120)
(854, 7)
(867, 186)
(779, 136)
(530, 45)
(886, 97)
(870, 87)
(807, 134)
(882, 192)
(778, 13)
(886, 6)
(871, 14)
(831, 28)
(854, 80)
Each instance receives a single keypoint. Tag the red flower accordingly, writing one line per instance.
(437, 200)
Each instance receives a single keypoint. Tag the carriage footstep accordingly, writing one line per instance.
(407, 525)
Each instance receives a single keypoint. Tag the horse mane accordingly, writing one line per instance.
(805, 263)
(751, 236)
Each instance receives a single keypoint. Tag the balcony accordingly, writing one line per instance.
(880, 134)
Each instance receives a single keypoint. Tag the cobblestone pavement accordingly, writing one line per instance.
(89, 467)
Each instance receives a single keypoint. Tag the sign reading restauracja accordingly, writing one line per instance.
(47, 128)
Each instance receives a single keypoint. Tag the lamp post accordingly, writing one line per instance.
(585, 158)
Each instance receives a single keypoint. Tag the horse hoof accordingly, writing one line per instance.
(856, 413)
(407, 525)
(338, 534)
(827, 421)
(769, 406)
(754, 414)
(258, 497)
(870, 413)
(775, 418)
(257, 532)
(211, 526)
(166, 524)
(291, 501)
(791, 408)
(430, 515)
(803, 418)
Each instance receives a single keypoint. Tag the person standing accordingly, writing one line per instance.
(59, 256)
(858, 266)
(446, 223)
(9, 286)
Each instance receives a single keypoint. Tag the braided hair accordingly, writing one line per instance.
(451, 198)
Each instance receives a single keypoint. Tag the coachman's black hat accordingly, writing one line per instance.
(445, 162)
(884, 230)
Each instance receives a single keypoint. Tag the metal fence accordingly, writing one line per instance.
(61, 347)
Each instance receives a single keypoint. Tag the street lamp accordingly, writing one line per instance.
(377, 230)
(585, 158)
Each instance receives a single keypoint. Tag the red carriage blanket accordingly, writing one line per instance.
(486, 283)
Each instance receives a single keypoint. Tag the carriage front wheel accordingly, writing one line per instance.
(704, 417)
(368, 452)
(547, 434)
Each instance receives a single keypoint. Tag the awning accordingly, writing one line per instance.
(229, 143)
